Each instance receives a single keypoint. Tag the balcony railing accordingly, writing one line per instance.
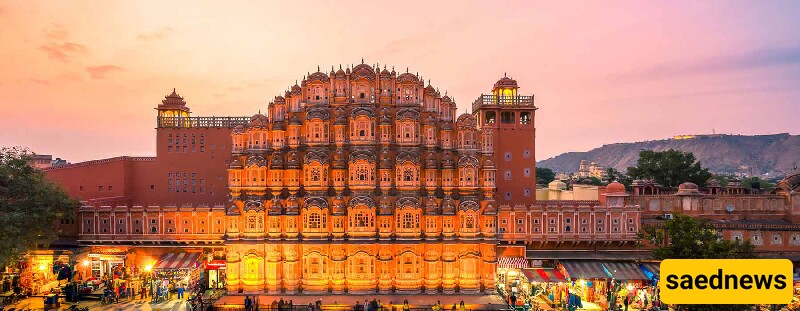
(492, 100)
(188, 122)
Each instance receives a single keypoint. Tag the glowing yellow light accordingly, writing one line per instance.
(583, 282)
(85, 262)
(148, 268)
(630, 286)
(42, 267)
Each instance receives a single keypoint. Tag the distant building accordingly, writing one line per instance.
(587, 169)
(41, 160)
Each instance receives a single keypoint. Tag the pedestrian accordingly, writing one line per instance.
(365, 306)
(405, 305)
(462, 307)
(280, 305)
(310, 307)
(247, 303)
(454, 307)
(291, 305)
(380, 305)
(180, 292)
(626, 301)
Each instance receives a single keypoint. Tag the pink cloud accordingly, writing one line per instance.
(63, 51)
(100, 72)
(155, 35)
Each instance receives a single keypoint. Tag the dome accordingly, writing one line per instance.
(294, 162)
(430, 120)
(687, 186)
(430, 161)
(280, 100)
(338, 160)
(714, 183)
(318, 76)
(236, 164)
(385, 120)
(276, 162)
(506, 82)
(615, 187)
(296, 90)
(279, 126)
(488, 163)
(258, 120)
(447, 161)
(446, 99)
(557, 185)
(386, 161)
(384, 73)
(295, 120)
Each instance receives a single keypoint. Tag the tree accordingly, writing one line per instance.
(615, 175)
(686, 237)
(29, 205)
(544, 175)
(669, 168)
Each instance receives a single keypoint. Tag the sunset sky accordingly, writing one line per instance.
(80, 79)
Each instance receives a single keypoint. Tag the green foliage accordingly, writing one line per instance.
(615, 175)
(544, 175)
(669, 168)
(29, 205)
(747, 182)
(686, 237)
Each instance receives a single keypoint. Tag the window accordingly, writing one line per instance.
(508, 175)
(524, 118)
(526, 172)
(508, 156)
(508, 196)
(99, 188)
(526, 154)
(536, 221)
(490, 117)
(526, 192)
(507, 117)
(520, 221)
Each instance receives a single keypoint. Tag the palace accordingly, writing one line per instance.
(365, 180)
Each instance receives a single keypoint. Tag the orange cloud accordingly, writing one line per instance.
(63, 51)
(155, 35)
(55, 32)
(100, 72)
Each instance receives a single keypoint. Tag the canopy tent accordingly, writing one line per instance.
(512, 262)
(544, 275)
(624, 271)
(651, 269)
(584, 269)
(176, 261)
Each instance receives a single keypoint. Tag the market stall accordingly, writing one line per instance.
(544, 285)
(177, 269)
(587, 279)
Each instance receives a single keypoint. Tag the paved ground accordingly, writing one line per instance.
(471, 301)
(37, 303)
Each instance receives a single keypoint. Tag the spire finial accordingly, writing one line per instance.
(340, 66)
(317, 67)
(259, 110)
(406, 69)
(384, 66)
(362, 60)
(504, 75)
(173, 90)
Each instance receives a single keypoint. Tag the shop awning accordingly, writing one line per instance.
(584, 269)
(651, 269)
(512, 262)
(544, 275)
(176, 261)
(624, 270)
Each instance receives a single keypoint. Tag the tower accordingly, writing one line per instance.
(506, 120)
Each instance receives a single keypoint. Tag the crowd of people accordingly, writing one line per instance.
(251, 303)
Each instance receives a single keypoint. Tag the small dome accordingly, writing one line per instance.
(557, 185)
(506, 82)
(236, 164)
(714, 183)
(276, 162)
(430, 161)
(386, 161)
(447, 161)
(430, 120)
(446, 99)
(294, 161)
(296, 90)
(615, 187)
(258, 120)
(338, 159)
(295, 120)
(687, 186)
(488, 163)
(385, 120)
(279, 126)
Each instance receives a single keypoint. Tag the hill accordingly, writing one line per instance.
(756, 155)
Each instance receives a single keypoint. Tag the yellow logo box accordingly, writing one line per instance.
(726, 281)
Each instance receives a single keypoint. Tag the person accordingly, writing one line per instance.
(455, 306)
(626, 301)
(280, 305)
(310, 307)
(380, 305)
(405, 305)
(438, 306)
(247, 303)
(462, 307)
(291, 305)
(513, 301)
(389, 306)
(318, 304)
(180, 292)
(365, 306)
